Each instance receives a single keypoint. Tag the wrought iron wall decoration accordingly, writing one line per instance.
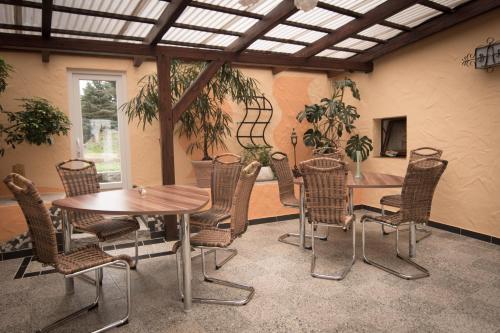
(252, 129)
(484, 57)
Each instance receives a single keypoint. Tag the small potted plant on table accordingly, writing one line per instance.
(260, 154)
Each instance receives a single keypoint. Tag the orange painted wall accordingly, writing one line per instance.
(448, 106)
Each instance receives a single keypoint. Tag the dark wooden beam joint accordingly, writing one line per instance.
(166, 20)
(45, 56)
(46, 18)
(138, 61)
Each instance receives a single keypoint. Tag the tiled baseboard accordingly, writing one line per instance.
(159, 234)
(437, 225)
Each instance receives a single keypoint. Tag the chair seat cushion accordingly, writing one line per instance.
(212, 238)
(85, 257)
(391, 200)
(209, 218)
(108, 229)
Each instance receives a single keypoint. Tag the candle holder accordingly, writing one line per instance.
(293, 139)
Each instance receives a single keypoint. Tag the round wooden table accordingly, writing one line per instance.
(367, 180)
(158, 200)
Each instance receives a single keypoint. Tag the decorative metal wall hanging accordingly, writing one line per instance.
(484, 57)
(252, 129)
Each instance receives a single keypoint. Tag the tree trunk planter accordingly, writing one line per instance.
(203, 172)
(265, 174)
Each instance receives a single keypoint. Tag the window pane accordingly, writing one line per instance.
(101, 139)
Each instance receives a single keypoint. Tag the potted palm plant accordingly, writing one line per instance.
(204, 123)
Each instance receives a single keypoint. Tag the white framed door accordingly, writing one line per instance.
(99, 129)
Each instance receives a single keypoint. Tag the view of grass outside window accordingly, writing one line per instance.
(101, 139)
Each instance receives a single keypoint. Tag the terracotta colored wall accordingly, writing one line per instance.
(447, 106)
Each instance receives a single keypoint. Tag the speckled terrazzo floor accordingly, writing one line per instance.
(461, 295)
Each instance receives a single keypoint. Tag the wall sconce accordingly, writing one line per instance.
(484, 57)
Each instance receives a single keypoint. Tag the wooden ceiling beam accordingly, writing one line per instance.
(436, 6)
(444, 21)
(372, 17)
(80, 11)
(167, 18)
(46, 18)
(276, 16)
(129, 50)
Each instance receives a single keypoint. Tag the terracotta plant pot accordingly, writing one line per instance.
(203, 172)
(265, 174)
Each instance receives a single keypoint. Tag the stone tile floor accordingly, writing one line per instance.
(461, 295)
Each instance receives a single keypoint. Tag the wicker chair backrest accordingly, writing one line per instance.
(41, 229)
(241, 200)
(226, 170)
(79, 181)
(281, 167)
(328, 152)
(422, 177)
(325, 183)
(425, 152)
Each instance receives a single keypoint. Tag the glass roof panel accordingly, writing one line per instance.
(240, 24)
(86, 23)
(137, 29)
(380, 32)
(294, 33)
(450, 3)
(287, 48)
(414, 15)
(186, 35)
(321, 17)
(335, 54)
(354, 43)
(125, 7)
(263, 45)
(30, 16)
(262, 7)
(220, 40)
(362, 6)
(205, 18)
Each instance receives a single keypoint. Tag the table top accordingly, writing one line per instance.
(369, 180)
(158, 200)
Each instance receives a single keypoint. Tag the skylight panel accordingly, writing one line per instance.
(450, 3)
(414, 15)
(240, 24)
(138, 29)
(354, 43)
(288, 32)
(86, 23)
(186, 35)
(356, 5)
(321, 17)
(205, 18)
(263, 45)
(31, 17)
(153, 9)
(380, 32)
(6, 14)
(262, 7)
(111, 6)
(287, 48)
(335, 54)
(220, 40)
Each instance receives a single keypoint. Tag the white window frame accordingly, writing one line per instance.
(76, 119)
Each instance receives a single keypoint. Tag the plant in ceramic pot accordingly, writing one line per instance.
(261, 154)
(204, 123)
(36, 123)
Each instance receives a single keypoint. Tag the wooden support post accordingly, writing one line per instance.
(166, 135)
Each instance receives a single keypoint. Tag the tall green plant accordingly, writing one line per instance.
(331, 118)
(204, 122)
(36, 123)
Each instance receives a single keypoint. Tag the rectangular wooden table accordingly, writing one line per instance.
(367, 180)
(158, 200)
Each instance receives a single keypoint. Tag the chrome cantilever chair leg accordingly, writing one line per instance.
(339, 275)
(425, 272)
(251, 290)
(95, 303)
(426, 232)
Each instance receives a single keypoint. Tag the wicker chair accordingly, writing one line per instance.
(395, 200)
(325, 181)
(216, 238)
(83, 180)
(226, 170)
(420, 182)
(281, 167)
(328, 152)
(71, 264)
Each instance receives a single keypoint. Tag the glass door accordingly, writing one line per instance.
(99, 129)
